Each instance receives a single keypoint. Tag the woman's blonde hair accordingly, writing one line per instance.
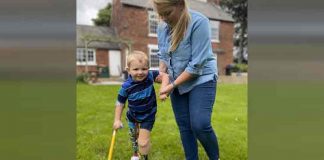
(179, 29)
(137, 56)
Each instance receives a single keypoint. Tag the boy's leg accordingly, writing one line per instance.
(133, 133)
(144, 142)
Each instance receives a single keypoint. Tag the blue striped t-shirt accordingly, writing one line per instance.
(141, 98)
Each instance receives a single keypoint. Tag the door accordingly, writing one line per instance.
(114, 63)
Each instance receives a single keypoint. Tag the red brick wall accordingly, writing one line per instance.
(81, 69)
(116, 14)
(132, 23)
(226, 45)
(101, 59)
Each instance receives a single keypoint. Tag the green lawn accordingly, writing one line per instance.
(95, 113)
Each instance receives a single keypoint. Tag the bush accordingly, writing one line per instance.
(240, 67)
(83, 78)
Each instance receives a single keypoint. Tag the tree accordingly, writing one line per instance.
(104, 16)
(238, 9)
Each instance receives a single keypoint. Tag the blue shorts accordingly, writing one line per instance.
(143, 125)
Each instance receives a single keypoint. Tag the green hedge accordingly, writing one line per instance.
(83, 78)
(240, 67)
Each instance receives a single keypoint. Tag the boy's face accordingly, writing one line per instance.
(138, 70)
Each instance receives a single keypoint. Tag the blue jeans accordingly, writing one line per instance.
(193, 111)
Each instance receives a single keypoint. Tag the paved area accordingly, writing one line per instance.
(108, 83)
(235, 78)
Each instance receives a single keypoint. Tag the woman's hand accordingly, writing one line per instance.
(166, 89)
(117, 124)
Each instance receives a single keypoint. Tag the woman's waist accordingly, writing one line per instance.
(175, 73)
(189, 85)
(207, 68)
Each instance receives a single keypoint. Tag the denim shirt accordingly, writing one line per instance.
(193, 54)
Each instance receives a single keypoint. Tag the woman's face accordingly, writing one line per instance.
(169, 15)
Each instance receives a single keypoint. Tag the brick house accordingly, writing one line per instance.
(135, 20)
(103, 57)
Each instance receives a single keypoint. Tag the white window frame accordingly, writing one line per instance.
(155, 18)
(90, 63)
(215, 25)
(150, 48)
(203, 0)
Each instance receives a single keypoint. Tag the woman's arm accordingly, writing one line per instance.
(165, 82)
(165, 79)
(162, 67)
(184, 76)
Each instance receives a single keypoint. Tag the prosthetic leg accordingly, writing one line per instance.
(133, 133)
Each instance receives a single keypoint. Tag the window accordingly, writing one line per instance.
(214, 30)
(153, 23)
(153, 57)
(81, 56)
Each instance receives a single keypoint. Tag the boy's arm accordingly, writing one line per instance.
(118, 113)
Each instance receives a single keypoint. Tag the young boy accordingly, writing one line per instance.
(142, 107)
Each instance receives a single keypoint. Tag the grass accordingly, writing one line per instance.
(95, 114)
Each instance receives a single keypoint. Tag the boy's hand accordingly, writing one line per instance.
(117, 124)
(163, 97)
(158, 79)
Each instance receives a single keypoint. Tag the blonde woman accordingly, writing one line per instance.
(185, 53)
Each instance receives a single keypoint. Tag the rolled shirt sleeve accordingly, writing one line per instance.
(122, 96)
(201, 46)
(162, 43)
(162, 57)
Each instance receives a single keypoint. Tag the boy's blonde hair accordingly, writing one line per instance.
(138, 56)
(179, 29)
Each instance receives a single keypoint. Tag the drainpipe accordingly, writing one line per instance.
(86, 50)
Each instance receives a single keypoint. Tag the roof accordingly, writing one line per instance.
(83, 30)
(212, 11)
